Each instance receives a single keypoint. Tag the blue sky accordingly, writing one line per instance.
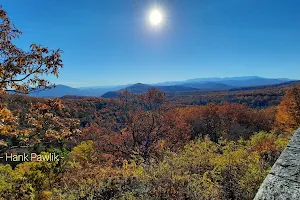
(110, 42)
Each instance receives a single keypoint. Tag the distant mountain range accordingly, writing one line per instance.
(199, 84)
(58, 91)
(259, 80)
(140, 88)
(63, 90)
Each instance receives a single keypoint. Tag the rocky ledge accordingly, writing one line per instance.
(283, 182)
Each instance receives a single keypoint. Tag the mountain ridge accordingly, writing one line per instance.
(203, 84)
(140, 88)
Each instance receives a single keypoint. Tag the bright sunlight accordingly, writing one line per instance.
(155, 17)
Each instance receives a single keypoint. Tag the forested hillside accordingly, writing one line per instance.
(137, 146)
(255, 97)
(141, 146)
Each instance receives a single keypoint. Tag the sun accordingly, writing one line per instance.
(155, 17)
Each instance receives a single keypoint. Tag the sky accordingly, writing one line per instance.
(111, 42)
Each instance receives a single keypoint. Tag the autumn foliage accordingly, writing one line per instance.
(288, 116)
(22, 72)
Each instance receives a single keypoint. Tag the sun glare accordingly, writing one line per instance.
(155, 17)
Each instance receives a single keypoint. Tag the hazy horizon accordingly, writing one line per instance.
(169, 81)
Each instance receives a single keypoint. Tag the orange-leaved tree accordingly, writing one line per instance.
(288, 115)
(24, 72)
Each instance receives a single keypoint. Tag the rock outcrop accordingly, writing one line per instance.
(283, 182)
